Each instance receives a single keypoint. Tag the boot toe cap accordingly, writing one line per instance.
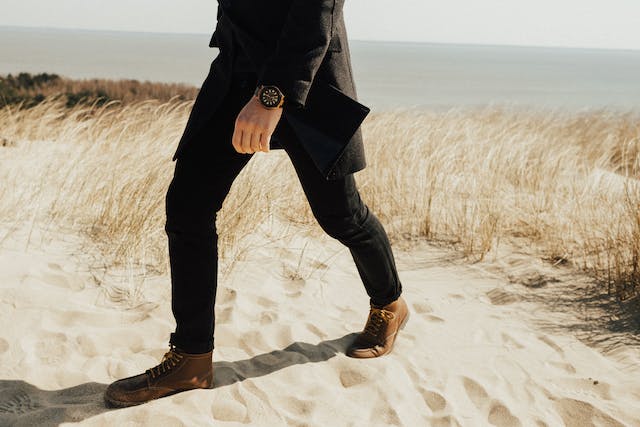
(122, 392)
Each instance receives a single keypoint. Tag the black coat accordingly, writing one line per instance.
(291, 44)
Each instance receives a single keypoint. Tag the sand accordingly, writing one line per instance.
(510, 341)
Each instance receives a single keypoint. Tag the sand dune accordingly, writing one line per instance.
(480, 347)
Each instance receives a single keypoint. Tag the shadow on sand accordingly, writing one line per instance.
(22, 404)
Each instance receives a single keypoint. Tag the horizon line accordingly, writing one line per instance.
(102, 30)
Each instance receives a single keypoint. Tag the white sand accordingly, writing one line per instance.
(480, 348)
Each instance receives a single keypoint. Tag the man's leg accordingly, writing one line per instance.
(196, 193)
(338, 208)
(342, 214)
(202, 178)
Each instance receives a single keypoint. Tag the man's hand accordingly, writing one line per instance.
(254, 126)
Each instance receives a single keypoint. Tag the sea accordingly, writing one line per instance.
(387, 74)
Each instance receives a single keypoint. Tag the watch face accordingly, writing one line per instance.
(270, 97)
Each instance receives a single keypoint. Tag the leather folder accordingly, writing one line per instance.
(325, 125)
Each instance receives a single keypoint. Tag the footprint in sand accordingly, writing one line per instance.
(351, 376)
(498, 415)
(419, 374)
(587, 387)
(224, 315)
(316, 331)
(54, 279)
(551, 344)
(227, 296)
(446, 421)
(498, 296)
(300, 408)
(86, 345)
(294, 287)
(391, 417)
(54, 266)
(268, 317)
(382, 414)
(4, 345)
(51, 349)
(253, 342)
(477, 394)
(434, 400)
(422, 308)
(232, 409)
(567, 367)
(509, 341)
(57, 277)
(17, 402)
(576, 413)
(266, 302)
(26, 405)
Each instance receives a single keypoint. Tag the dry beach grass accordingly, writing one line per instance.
(563, 184)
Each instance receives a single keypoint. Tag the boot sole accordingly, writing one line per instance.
(112, 403)
(109, 403)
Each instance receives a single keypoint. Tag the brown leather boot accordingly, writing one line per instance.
(379, 333)
(178, 371)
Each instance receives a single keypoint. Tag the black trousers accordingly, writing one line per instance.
(202, 178)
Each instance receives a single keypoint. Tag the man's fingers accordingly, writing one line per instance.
(264, 142)
(242, 137)
(255, 141)
(247, 136)
(236, 139)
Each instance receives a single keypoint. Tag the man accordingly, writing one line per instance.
(271, 54)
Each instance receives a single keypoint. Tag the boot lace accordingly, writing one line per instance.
(169, 360)
(374, 328)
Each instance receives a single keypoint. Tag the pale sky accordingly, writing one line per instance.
(613, 24)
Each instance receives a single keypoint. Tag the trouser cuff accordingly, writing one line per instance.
(189, 346)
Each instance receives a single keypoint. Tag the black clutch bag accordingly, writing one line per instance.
(326, 124)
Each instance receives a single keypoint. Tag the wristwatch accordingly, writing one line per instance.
(269, 96)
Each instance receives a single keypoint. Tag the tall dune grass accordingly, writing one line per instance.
(564, 184)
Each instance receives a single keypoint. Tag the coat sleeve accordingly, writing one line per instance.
(213, 42)
(300, 49)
